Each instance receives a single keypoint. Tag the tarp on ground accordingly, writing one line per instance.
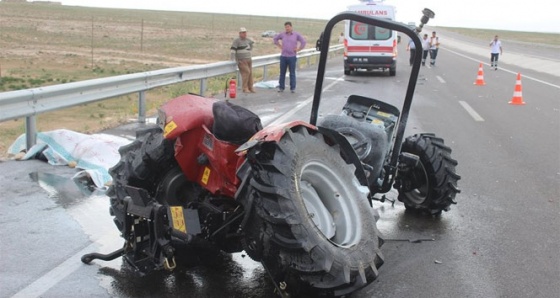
(266, 84)
(95, 154)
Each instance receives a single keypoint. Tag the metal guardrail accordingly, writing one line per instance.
(31, 102)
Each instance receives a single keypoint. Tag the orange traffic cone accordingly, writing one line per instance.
(480, 77)
(517, 96)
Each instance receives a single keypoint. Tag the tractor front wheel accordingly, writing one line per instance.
(431, 186)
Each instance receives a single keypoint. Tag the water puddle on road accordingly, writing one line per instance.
(65, 191)
(87, 205)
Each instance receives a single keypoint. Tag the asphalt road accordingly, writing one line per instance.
(502, 239)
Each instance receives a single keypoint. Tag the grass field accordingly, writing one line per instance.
(44, 44)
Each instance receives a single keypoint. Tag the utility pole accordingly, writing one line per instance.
(92, 42)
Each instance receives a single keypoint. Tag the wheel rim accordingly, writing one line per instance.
(329, 204)
(419, 194)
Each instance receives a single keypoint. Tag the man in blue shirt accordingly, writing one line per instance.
(288, 42)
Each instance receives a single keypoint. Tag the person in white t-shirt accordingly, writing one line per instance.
(496, 51)
(425, 48)
(434, 47)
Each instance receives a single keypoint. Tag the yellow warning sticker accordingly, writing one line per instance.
(383, 114)
(169, 128)
(205, 175)
(178, 218)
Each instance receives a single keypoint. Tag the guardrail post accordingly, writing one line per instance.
(203, 86)
(142, 107)
(30, 131)
(265, 73)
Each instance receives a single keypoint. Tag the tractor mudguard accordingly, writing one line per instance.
(271, 133)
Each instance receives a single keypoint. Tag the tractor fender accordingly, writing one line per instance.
(271, 133)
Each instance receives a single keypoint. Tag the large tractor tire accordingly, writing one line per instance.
(317, 231)
(144, 163)
(432, 185)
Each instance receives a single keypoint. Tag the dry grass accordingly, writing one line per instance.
(53, 44)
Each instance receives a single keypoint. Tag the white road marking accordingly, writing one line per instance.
(471, 111)
(300, 106)
(440, 79)
(102, 233)
(51, 278)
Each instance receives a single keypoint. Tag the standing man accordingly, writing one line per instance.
(412, 48)
(425, 48)
(434, 46)
(496, 51)
(288, 42)
(241, 52)
(341, 37)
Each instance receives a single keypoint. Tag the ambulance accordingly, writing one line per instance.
(368, 47)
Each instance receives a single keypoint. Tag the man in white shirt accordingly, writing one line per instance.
(496, 51)
(425, 48)
(434, 47)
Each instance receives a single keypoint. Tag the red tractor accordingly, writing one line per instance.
(296, 197)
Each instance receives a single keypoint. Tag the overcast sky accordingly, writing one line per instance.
(534, 15)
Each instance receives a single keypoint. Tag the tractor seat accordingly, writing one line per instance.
(234, 124)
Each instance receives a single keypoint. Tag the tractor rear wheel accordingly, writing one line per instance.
(432, 185)
(317, 231)
(144, 164)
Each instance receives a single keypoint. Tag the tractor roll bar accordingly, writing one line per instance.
(324, 46)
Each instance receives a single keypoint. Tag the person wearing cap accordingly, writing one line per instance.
(241, 52)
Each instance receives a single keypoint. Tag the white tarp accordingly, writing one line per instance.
(95, 154)
(266, 84)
